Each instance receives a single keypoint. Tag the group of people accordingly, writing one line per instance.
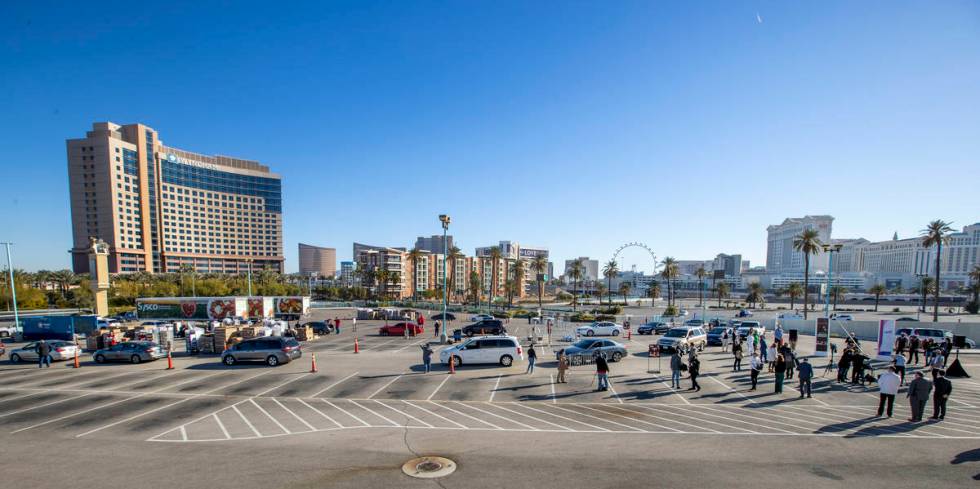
(917, 394)
(930, 348)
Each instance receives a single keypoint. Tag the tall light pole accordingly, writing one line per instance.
(445, 219)
(922, 297)
(249, 262)
(830, 249)
(13, 286)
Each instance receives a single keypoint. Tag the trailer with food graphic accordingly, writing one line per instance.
(191, 308)
(261, 308)
(291, 306)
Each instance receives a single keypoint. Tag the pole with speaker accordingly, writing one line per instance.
(956, 368)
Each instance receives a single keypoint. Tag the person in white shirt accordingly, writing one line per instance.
(936, 362)
(900, 366)
(888, 383)
(756, 367)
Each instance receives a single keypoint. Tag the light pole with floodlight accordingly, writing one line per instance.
(445, 219)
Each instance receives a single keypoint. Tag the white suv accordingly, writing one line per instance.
(683, 337)
(600, 328)
(484, 349)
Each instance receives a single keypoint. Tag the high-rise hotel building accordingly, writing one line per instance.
(160, 208)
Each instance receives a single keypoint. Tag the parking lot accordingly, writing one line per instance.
(384, 389)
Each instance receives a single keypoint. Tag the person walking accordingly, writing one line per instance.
(779, 367)
(936, 362)
(888, 383)
(336, 325)
(675, 369)
(901, 343)
(790, 356)
(917, 395)
(726, 339)
(737, 352)
(914, 349)
(899, 363)
(532, 357)
(947, 349)
(755, 365)
(427, 357)
(694, 370)
(43, 350)
(943, 389)
(602, 373)
(806, 377)
(562, 367)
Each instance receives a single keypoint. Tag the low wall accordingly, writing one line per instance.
(868, 330)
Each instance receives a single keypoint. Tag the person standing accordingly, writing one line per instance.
(914, 349)
(353, 323)
(421, 322)
(737, 352)
(763, 350)
(532, 357)
(336, 325)
(943, 389)
(778, 334)
(436, 328)
(602, 373)
(427, 357)
(562, 367)
(901, 343)
(790, 358)
(694, 370)
(947, 349)
(771, 354)
(843, 365)
(806, 377)
(857, 365)
(755, 364)
(917, 395)
(900, 367)
(675, 369)
(888, 383)
(936, 362)
(43, 350)
(779, 367)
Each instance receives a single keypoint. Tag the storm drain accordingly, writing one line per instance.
(429, 467)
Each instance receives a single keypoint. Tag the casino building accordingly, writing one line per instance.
(161, 208)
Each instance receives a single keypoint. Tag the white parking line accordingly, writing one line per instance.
(41, 405)
(248, 423)
(437, 388)
(335, 384)
(525, 406)
(411, 344)
(403, 413)
(671, 390)
(183, 434)
(392, 381)
(467, 415)
(663, 427)
(345, 412)
(282, 384)
(222, 426)
(290, 411)
(598, 418)
(499, 406)
(495, 386)
(321, 413)
(271, 418)
(554, 400)
(499, 416)
(373, 412)
(435, 414)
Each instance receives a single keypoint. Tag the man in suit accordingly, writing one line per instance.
(943, 389)
(918, 394)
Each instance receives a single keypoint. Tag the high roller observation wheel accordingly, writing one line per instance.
(637, 244)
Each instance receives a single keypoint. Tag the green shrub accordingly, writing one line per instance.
(671, 311)
(605, 317)
(582, 317)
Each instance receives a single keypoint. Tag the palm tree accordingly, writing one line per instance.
(808, 243)
(877, 290)
(975, 277)
(65, 279)
(624, 290)
(454, 254)
(669, 273)
(722, 290)
(575, 273)
(755, 293)
(539, 266)
(701, 273)
(394, 276)
(936, 234)
(926, 286)
(381, 277)
(476, 293)
(837, 291)
(414, 255)
(495, 256)
(517, 272)
(794, 291)
(610, 270)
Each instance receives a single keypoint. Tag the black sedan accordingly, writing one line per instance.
(450, 316)
(653, 327)
(719, 335)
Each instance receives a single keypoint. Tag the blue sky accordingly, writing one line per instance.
(578, 126)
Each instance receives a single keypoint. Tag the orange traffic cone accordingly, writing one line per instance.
(76, 358)
(170, 361)
(452, 364)
(313, 369)
(356, 348)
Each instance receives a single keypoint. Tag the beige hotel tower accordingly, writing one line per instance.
(159, 208)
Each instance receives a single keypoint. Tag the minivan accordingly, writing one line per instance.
(272, 350)
(484, 349)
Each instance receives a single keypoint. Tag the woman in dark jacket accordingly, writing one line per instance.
(694, 369)
(843, 365)
(780, 369)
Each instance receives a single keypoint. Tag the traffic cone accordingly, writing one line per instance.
(452, 364)
(313, 370)
(357, 349)
(170, 361)
(76, 358)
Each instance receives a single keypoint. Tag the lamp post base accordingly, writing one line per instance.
(443, 338)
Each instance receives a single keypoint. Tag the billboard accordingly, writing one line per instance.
(532, 253)
(190, 308)
(291, 305)
(260, 307)
(822, 337)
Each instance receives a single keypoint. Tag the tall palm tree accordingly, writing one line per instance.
(722, 290)
(926, 285)
(575, 273)
(394, 276)
(414, 255)
(936, 234)
(669, 273)
(975, 277)
(495, 256)
(794, 291)
(877, 290)
(381, 277)
(539, 266)
(454, 254)
(808, 243)
(755, 294)
(610, 270)
(476, 292)
(624, 290)
(654, 291)
(65, 279)
(600, 289)
(701, 273)
(518, 272)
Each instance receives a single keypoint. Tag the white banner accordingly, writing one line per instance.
(886, 338)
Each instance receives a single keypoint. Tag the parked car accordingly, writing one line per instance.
(320, 327)
(105, 323)
(790, 316)
(485, 327)
(842, 317)
(906, 318)
(398, 329)
(449, 316)
(600, 328)
(746, 328)
(482, 317)
(60, 350)
(500, 349)
(272, 350)
(653, 327)
(586, 349)
(544, 320)
(744, 313)
(130, 351)
(682, 338)
(717, 334)
(694, 323)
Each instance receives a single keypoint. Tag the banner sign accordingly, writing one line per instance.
(822, 336)
(886, 338)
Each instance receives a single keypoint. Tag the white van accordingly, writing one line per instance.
(484, 349)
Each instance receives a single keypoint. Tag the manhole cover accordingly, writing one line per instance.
(429, 467)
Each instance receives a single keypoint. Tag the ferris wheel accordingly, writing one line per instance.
(637, 244)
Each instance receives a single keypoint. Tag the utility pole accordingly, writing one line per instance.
(13, 286)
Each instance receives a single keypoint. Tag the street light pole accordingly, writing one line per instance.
(830, 249)
(13, 286)
(249, 262)
(445, 219)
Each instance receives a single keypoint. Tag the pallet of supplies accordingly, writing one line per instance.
(205, 344)
(304, 333)
(223, 334)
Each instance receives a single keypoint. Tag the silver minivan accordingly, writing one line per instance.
(272, 350)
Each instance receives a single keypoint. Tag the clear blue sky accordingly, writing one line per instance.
(573, 125)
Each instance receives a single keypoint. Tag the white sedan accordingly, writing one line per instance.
(601, 328)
